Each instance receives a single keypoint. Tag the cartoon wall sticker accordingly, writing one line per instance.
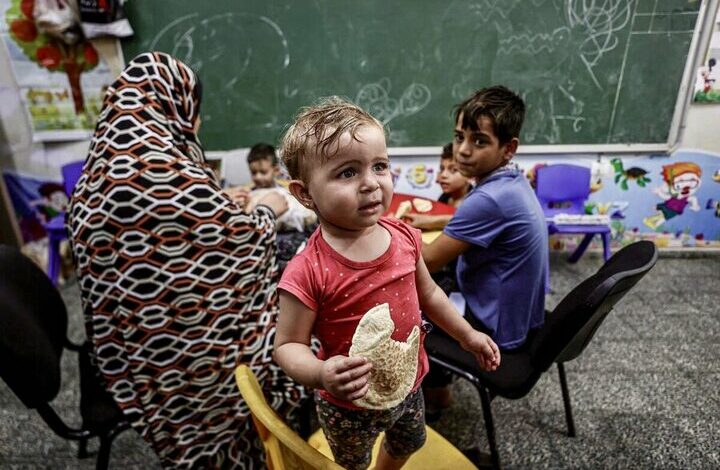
(395, 172)
(706, 90)
(633, 174)
(713, 204)
(682, 181)
(53, 200)
(420, 176)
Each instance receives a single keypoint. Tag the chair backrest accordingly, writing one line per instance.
(562, 188)
(33, 327)
(71, 173)
(571, 325)
(284, 448)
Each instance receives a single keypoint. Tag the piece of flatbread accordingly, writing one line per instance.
(394, 362)
(422, 205)
(403, 208)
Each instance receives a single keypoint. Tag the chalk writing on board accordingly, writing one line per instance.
(375, 97)
(590, 71)
(194, 40)
(188, 32)
(599, 21)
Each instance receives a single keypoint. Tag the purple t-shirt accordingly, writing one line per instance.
(502, 275)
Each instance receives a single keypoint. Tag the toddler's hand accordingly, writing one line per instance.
(346, 378)
(485, 350)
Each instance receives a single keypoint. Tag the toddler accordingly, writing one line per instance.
(357, 261)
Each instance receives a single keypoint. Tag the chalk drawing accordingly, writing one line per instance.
(599, 20)
(376, 99)
(535, 43)
(181, 36)
(633, 32)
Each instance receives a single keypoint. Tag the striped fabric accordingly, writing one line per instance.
(178, 284)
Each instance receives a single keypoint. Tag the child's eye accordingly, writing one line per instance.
(382, 166)
(459, 138)
(347, 173)
(479, 142)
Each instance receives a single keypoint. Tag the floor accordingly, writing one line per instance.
(646, 392)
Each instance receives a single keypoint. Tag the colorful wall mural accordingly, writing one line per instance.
(673, 200)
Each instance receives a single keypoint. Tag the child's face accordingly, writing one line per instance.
(263, 173)
(478, 152)
(353, 189)
(450, 179)
(685, 184)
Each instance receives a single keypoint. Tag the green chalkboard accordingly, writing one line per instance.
(591, 72)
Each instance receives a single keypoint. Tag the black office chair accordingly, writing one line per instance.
(33, 327)
(567, 331)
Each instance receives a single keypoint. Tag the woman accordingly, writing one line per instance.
(177, 282)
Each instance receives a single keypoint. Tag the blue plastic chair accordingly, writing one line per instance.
(563, 189)
(55, 228)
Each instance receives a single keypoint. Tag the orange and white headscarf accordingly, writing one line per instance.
(178, 284)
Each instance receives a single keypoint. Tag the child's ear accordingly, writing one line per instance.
(510, 149)
(299, 191)
(276, 170)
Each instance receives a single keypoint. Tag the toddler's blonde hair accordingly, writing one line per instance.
(317, 131)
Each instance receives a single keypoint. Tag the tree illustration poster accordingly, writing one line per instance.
(61, 85)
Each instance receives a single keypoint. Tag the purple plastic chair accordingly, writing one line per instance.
(563, 189)
(55, 228)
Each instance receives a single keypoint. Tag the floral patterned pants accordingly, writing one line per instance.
(352, 433)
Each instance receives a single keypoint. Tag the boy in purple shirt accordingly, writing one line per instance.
(498, 234)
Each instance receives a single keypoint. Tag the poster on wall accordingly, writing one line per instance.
(707, 83)
(60, 76)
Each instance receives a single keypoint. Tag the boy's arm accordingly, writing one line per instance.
(441, 251)
(427, 222)
(346, 378)
(435, 304)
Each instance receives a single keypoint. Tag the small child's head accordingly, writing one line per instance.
(336, 155)
(487, 130)
(449, 178)
(263, 164)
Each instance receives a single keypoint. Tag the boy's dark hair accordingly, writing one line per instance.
(446, 151)
(262, 151)
(505, 109)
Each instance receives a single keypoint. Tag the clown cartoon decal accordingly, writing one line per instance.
(682, 181)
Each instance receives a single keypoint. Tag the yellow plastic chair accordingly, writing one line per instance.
(284, 449)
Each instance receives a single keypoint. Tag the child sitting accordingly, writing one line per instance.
(356, 262)
(455, 186)
(263, 164)
(264, 170)
(498, 235)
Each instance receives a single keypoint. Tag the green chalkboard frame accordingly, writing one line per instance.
(616, 80)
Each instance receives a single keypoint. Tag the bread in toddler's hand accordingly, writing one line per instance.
(394, 362)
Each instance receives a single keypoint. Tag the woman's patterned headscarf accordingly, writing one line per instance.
(178, 283)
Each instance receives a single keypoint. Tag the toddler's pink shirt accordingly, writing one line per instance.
(340, 291)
